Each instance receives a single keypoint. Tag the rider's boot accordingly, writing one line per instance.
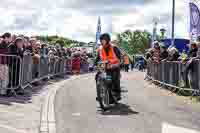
(117, 95)
(97, 99)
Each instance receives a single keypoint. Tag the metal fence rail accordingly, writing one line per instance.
(174, 74)
(27, 73)
(10, 72)
(20, 72)
(84, 67)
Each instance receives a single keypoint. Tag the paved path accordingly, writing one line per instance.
(21, 114)
(144, 109)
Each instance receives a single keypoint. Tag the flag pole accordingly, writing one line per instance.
(173, 21)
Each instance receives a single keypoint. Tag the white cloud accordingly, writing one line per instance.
(78, 19)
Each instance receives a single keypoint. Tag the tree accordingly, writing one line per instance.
(63, 41)
(134, 42)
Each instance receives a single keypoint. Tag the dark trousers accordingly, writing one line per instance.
(132, 66)
(126, 67)
(115, 74)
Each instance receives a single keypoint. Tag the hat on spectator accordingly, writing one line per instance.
(193, 43)
(7, 34)
(44, 44)
(156, 43)
(19, 39)
(172, 50)
(33, 39)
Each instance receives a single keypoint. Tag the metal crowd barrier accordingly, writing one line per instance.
(172, 74)
(17, 72)
(68, 65)
(84, 67)
(10, 72)
(36, 68)
(27, 71)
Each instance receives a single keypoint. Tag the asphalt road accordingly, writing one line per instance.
(145, 108)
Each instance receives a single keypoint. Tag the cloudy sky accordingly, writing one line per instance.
(77, 19)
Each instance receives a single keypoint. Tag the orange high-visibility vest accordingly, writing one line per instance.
(111, 57)
(126, 60)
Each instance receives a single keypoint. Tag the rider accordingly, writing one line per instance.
(111, 53)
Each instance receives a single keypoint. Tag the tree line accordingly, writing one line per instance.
(134, 42)
(63, 41)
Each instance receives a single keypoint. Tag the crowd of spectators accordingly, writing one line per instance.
(18, 45)
(161, 53)
(188, 58)
(12, 45)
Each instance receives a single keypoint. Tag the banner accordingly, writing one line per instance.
(194, 21)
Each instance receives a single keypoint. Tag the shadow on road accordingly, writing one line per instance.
(120, 109)
(29, 92)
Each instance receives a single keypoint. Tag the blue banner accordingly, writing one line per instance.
(194, 21)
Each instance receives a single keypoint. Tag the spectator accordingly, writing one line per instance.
(184, 56)
(14, 63)
(193, 50)
(3, 50)
(164, 53)
(44, 50)
(17, 47)
(35, 56)
(58, 50)
(33, 45)
(5, 41)
(198, 52)
(156, 52)
(133, 62)
(76, 63)
(1, 40)
(4, 71)
(38, 48)
(64, 53)
(149, 54)
(51, 52)
(14, 37)
(69, 52)
(173, 54)
(126, 62)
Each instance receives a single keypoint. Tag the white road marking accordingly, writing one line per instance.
(12, 113)
(76, 114)
(168, 128)
(13, 129)
(112, 116)
(48, 117)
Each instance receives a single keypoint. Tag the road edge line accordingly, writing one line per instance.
(47, 118)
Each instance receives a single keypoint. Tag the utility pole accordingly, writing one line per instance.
(173, 21)
(154, 36)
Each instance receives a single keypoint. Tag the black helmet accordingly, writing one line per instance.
(106, 37)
